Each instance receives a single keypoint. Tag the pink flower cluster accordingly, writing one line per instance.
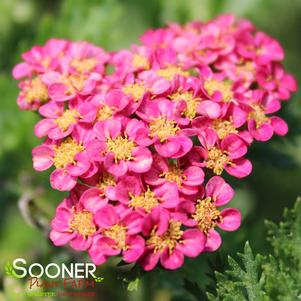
(141, 137)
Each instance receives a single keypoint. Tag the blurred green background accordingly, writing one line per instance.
(27, 203)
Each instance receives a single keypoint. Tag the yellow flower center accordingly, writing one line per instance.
(136, 91)
(121, 147)
(147, 200)
(217, 159)
(224, 87)
(258, 115)
(66, 119)
(36, 90)
(223, 128)
(169, 239)
(82, 223)
(74, 83)
(65, 152)
(174, 174)
(105, 113)
(140, 61)
(169, 72)
(163, 128)
(118, 234)
(206, 214)
(245, 67)
(84, 65)
(191, 103)
(106, 180)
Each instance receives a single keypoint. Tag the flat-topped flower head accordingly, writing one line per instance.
(134, 134)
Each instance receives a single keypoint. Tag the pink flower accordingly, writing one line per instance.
(63, 87)
(261, 48)
(169, 140)
(167, 242)
(60, 122)
(131, 192)
(133, 134)
(74, 221)
(273, 79)
(227, 154)
(84, 58)
(40, 59)
(261, 126)
(109, 106)
(123, 145)
(117, 235)
(205, 213)
(34, 93)
(185, 178)
(190, 102)
(68, 156)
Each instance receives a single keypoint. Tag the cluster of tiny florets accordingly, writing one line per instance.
(142, 137)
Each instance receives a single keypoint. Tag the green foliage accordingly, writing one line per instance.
(267, 278)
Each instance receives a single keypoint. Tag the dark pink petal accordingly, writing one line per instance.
(231, 219)
(61, 220)
(149, 259)
(21, 70)
(135, 248)
(219, 190)
(261, 133)
(97, 257)
(209, 109)
(213, 242)
(193, 243)
(51, 109)
(133, 222)
(106, 217)
(80, 167)
(61, 180)
(106, 247)
(143, 160)
(168, 148)
(194, 176)
(107, 129)
(58, 91)
(80, 243)
(235, 146)
(118, 168)
(42, 157)
(172, 261)
(61, 238)
(185, 143)
(279, 125)
(43, 127)
(93, 200)
(240, 168)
